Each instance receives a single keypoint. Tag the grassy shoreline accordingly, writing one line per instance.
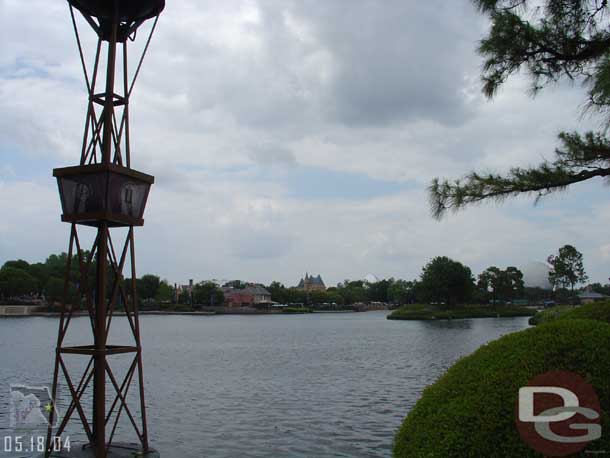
(435, 312)
(599, 311)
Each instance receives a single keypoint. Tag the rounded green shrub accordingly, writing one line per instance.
(548, 315)
(599, 311)
(470, 411)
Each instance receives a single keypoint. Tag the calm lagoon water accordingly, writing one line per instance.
(269, 386)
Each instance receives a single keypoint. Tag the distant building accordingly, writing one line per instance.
(250, 295)
(311, 283)
(236, 298)
(181, 289)
(259, 294)
(588, 295)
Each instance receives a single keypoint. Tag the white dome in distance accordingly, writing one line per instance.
(536, 274)
(371, 278)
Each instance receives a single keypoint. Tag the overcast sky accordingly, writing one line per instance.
(295, 136)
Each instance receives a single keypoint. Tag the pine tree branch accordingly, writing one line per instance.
(567, 42)
(571, 39)
(446, 195)
(581, 158)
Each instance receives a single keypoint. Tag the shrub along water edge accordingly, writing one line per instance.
(470, 411)
(595, 311)
(440, 312)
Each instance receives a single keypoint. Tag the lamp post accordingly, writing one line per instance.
(104, 192)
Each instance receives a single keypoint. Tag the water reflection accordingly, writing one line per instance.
(448, 324)
(319, 385)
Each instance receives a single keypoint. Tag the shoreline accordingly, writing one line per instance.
(186, 313)
(419, 312)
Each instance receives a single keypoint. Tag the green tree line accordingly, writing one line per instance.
(442, 280)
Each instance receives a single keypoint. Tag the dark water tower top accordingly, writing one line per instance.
(130, 14)
(129, 10)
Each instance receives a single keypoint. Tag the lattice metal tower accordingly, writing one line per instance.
(104, 192)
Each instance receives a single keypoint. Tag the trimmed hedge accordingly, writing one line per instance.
(434, 312)
(296, 310)
(599, 311)
(469, 411)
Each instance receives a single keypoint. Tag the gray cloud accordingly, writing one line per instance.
(278, 65)
(392, 62)
(261, 245)
(268, 154)
(387, 89)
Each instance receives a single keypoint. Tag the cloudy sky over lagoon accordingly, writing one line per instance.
(292, 136)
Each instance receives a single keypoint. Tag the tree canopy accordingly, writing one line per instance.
(503, 284)
(22, 278)
(15, 282)
(207, 293)
(147, 286)
(568, 269)
(402, 292)
(551, 40)
(446, 280)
